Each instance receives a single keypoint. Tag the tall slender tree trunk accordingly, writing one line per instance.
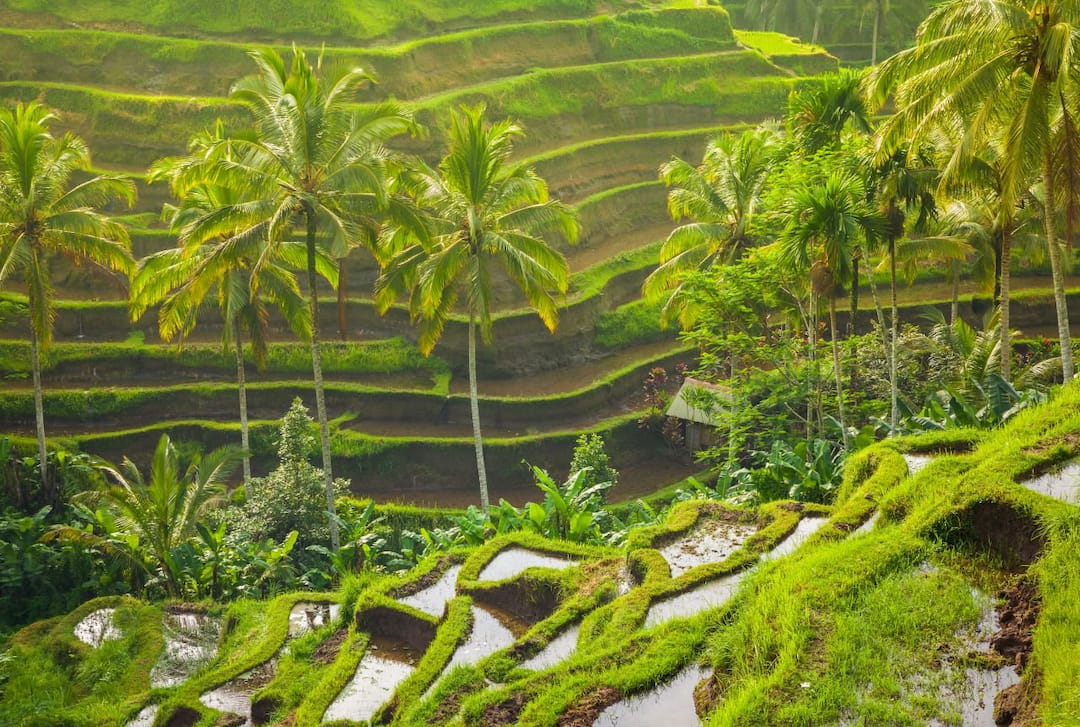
(342, 302)
(1060, 300)
(474, 406)
(320, 395)
(852, 325)
(836, 373)
(811, 339)
(877, 28)
(39, 404)
(894, 335)
(1005, 343)
(954, 306)
(241, 385)
(817, 21)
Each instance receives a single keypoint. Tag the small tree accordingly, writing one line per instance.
(292, 497)
(589, 453)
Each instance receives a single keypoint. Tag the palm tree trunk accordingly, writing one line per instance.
(320, 396)
(877, 28)
(817, 22)
(241, 385)
(1062, 303)
(474, 406)
(342, 302)
(894, 334)
(811, 340)
(954, 307)
(836, 372)
(1005, 345)
(851, 326)
(39, 405)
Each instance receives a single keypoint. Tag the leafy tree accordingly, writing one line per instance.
(1006, 70)
(720, 197)
(43, 216)
(313, 164)
(289, 497)
(486, 213)
(826, 221)
(589, 453)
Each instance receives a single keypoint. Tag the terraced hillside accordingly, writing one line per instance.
(939, 589)
(606, 92)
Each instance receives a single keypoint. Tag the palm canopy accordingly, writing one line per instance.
(826, 222)
(1006, 67)
(485, 213)
(721, 197)
(819, 114)
(43, 217)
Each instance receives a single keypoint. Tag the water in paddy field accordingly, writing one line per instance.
(710, 595)
(488, 635)
(670, 705)
(807, 526)
(1062, 483)
(513, 561)
(711, 542)
(190, 641)
(98, 627)
(386, 664)
(235, 696)
(916, 462)
(306, 616)
(560, 648)
(145, 717)
(432, 600)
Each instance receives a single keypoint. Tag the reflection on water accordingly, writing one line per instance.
(432, 600)
(806, 527)
(190, 642)
(98, 627)
(1062, 483)
(306, 616)
(383, 668)
(512, 561)
(669, 705)
(916, 462)
(710, 595)
(555, 652)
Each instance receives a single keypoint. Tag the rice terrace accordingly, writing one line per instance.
(566, 362)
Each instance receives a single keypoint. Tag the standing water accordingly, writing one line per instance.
(1062, 483)
(306, 616)
(383, 668)
(513, 561)
(432, 600)
(709, 543)
(669, 704)
(710, 595)
(190, 642)
(98, 627)
(556, 651)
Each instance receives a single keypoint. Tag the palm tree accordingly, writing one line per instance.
(182, 278)
(42, 216)
(767, 14)
(721, 197)
(826, 222)
(818, 117)
(485, 214)
(157, 513)
(1005, 69)
(313, 165)
(901, 183)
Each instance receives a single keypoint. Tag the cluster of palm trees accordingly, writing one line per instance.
(311, 179)
(983, 141)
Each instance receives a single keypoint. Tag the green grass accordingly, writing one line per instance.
(776, 44)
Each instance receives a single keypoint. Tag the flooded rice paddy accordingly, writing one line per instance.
(514, 561)
(98, 627)
(1062, 483)
(432, 600)
(670, 704)
(382, 669)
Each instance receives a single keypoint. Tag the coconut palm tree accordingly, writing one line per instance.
(826, 222)
(721, 197)
(315, 166)
(44, 216)
(486, 214)
(183, 278)
(1006, 69)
